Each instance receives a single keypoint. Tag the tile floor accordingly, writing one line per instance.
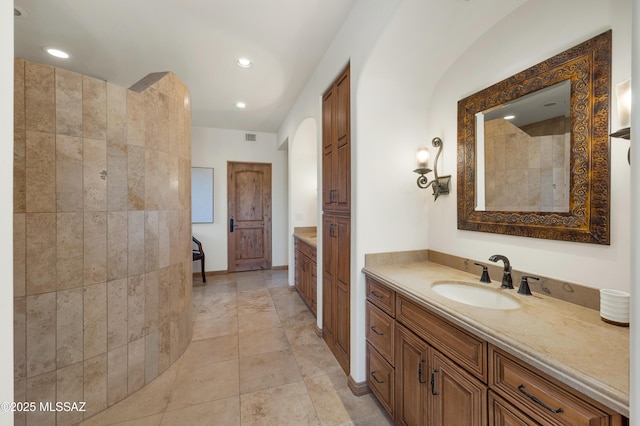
(254, 360)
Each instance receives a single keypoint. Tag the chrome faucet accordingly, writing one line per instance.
(507, 282)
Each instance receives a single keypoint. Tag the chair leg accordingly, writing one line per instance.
(204, 279)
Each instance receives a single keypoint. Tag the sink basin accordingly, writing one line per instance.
(475, 295)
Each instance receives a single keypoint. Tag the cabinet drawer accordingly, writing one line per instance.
(306, 249)
(459, 345)
(501, 413)
(381, 296)
(380, 331)
(538, 395)
(380, 378)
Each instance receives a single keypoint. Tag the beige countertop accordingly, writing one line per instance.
(566, 341)
(307, 237)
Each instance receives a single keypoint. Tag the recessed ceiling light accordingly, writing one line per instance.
(509, 117)
(56, 52)
(241, 105)
(244, 63)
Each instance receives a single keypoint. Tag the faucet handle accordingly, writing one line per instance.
(484, 278)
(524, 285)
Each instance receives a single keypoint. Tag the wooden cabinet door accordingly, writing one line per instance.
(328, 286)
(342, 183)
(502, 413)
(411, 378)
(328, 150)
(298, 271)
(455, 397)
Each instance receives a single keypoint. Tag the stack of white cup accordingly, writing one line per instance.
(614, 306)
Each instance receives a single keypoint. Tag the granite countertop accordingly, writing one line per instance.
(569, 342)
(307, 237)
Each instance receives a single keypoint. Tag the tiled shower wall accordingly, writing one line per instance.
(102, 236)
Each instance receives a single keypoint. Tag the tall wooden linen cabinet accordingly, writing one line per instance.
(336, 218)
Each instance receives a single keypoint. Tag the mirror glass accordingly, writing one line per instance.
(533, 149)
(523, 152)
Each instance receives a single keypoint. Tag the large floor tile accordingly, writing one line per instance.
(223, 412)
(268, 370)
(282, 405)
(207, 382)
(258, 321)
(263, 341)
(214, 327)
(216, 349)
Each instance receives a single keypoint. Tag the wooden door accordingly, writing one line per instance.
(412, 371)
(328, 150)
(455, 397)
(342, 174)
(249, 213)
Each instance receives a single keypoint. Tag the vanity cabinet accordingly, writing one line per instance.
(425, 370)
(306, 273)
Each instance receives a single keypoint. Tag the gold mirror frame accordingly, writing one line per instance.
(588, 67)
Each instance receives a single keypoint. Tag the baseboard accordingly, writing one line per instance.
(358, 389)
(319, 332)
(280, 268)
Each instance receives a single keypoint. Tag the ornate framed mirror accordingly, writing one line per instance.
(533, 150)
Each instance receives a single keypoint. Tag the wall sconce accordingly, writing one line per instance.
(623, 98)
(440, 183)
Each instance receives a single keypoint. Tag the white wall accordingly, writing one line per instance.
(303, 186)
(213, 148)
(514, 44)
(6, 214)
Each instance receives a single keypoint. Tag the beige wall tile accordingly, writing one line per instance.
(117, 242)
(95, 175)
(20, 394)
(135, 118)
(69, 174)
(136, 243)
(70, 388)
(19, 254)
(117, 293)
(151, 356)
(135, 307)
(18, 95)
(116, 115)
(40, 103)
(95, 320)
(70, 250)
(95, 247)
(164, 120)
(95, 384)
(151, 298)
(117, 181)
(69, 324)
(117, 375)
(164, 242)
(151, 118)
(151, 179)
(94, 108)
(151, 240)
(135, 177)
(40, 252)
(41, 388)
(68, 102)
(40, 172)
(41, 334)
(19, 171)
(164, 355)
(19, 338)
(135, 360)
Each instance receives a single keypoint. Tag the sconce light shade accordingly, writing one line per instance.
(440, 184)
(623, 102)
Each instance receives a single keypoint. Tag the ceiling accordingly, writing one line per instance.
(122, 41)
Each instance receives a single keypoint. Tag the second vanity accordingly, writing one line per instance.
(432, 360)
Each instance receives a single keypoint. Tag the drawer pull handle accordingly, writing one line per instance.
(537, 401)
(373, 328)
(433, 382)
(376, 295)
(420, 379)
(373, 374)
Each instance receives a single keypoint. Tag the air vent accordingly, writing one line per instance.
(250, 137)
